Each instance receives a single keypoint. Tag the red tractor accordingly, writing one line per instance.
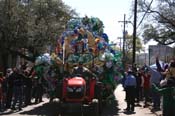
(79, 95)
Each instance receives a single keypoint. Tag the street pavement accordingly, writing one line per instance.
(139, 110)
(115, 108)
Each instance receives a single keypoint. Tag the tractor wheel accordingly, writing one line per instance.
(58, 90)
(95, 105)
(99, 96)
(60, 110)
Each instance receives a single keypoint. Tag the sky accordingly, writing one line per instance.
(109, 11)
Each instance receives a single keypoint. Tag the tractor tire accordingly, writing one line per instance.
(58, 90)
(95, 105)
(99, 96)
(60, 112)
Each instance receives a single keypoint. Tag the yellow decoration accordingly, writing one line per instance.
(67, 46)
(91, 42)
(97, 40)
(81, 31)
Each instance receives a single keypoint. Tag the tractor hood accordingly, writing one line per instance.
(76, 81)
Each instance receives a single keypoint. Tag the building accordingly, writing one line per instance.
(164, 52)
(142, 58)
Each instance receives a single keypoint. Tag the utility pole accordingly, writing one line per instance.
(124, 38)
(134, 32)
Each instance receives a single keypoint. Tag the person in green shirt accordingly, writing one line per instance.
(168, 92)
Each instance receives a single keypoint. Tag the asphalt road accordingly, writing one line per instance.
(115, 108)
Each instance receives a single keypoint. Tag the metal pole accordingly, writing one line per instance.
(134, 32)
(124, 39)
(149, 55)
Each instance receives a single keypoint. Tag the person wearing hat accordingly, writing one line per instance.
(130, 87)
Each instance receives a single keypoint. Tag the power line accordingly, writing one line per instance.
(145, 14)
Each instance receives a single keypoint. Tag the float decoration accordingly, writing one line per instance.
(84, 35)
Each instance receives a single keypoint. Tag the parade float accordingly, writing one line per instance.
(83, 40)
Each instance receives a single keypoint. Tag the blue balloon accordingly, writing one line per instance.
(62, 40)
(106, 44)
(76, 31)
(65, 34)
(112, 51)
(70, 33)
(105, 36)
(73, 42)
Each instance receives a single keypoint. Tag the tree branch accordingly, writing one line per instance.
(163, 17)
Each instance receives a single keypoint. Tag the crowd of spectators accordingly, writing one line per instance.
(19, 88)
(151, 86)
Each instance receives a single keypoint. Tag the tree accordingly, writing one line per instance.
(31, 26)
(129, 46)
(160, 25)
